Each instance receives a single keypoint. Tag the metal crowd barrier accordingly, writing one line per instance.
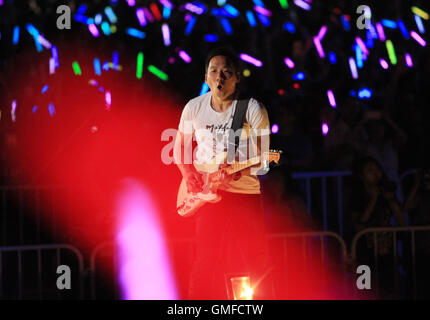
(32, 272)
(394, 231)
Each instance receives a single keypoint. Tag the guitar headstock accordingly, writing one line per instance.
(272, 156)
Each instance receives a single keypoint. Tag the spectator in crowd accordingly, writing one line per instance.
(373, 204)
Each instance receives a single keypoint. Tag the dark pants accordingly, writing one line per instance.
(230, 239)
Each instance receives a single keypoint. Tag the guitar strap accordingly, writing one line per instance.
(238, 121)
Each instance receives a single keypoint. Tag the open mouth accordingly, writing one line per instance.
(219, 87)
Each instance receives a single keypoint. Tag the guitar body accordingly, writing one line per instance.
(189, 203)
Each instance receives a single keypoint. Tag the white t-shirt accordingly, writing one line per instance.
(211, 129)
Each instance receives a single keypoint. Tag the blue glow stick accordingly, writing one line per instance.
(90, 21)
(345, 23)
(226, 25)
(264, 19)
(205, 88)
(231, 10)
(45, 88)
(82, 8)
(106, 28)
(34, 109)
(136, 33)
(97, 67)
(16, 35)
(403, 29)
(115, 60)
(166, 12)
(211, 38)
(80, 18)
(251, 18)
(259, 3)
(111, 15)
(51, 109)
(299, 76)
(332, 57)
(98, 18)
(359, 56)
(190, 25)
(389, 23)
(54, 52)
(420, 24)
(290, 27)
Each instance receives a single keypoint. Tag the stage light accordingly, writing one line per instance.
(241, 287)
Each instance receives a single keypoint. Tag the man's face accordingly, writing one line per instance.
(221, 77)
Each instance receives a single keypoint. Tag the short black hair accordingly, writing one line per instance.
(227, 52)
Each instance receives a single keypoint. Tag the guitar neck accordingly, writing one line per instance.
(236, 167)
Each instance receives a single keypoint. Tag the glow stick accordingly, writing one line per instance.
(54, 52)
(284, 4)
(136, 33)
(45, 88)
(108, 99)
(211, 38)
(325, 129)
(94, 31)
(98, 19)
(194, 9)
(166, 12)
(304, 5)
(166, 34)
(131, 3)
(322, 33)
(331, 98)
(251, 18)
(167, 4)
(34, 109)
(139, 70)
(380, 30)
(290, 64)
(275, 128)
(190, 25)
(319, 47)
(332, 57)
(16, 35)
(359, 57)
(111, 15)
(389, 24)
(391, 52)
(205, 88)
(155, 11)
(82, 8)
(362, 45)
(157, 72)
(13, 111)
(231, 10)
(290, 27)
(44, 42)
(184, 56)
(263, 11)
(264, 20)
(403, 29)
(299, 76)
(141, 17)
(97, 67)
(420, 13)
(418, 39)
(251, 60)
(148, 15)
(226, 25)
(353, 68)
(106, 28)
(51, 66)
(345, 23)
(384, 64)
(420, 24)
(408, 60)
(51, 109)
(76, 68)
(81, 18)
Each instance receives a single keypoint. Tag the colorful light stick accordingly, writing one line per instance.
(184, 56)
(98, 19)
(16, 35)
(391, 52)
(166, 13)
(403, 29)
(226, 26)
(380, 30)
(190, 25)
(420, 24)
(167, 4)
(141, 17)
(139, 70)
(111, 15)
(359, 57)
(54, 52)
(231, 10)
(211, 38)
(157, 72)
(247, 58)
(264, 20)
(131, 3)
(136, 33)
(408, 60)
(166, 34)
(205, 88)
(106, 28)
(332, 57)
(319, 47)
(155, 11)
(384, 64)
(418, 39)
(51, 66)
(389, 23)
(353, 68)
(345, 23)
(194, 9)
(325, 129)
(148, 15)
(94, 31)
(108, 100)
(420, 12)
(13, 110)
(362, 45)
(263, 11)
(284, 4)
(45, 88)
(275, 128)
(302, 4)
(251, 19)
(76, 68)
(331, 98)
(290, 64)
(290, 27)
(322, 33)
(51, 109)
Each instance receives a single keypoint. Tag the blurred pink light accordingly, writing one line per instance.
(251, 60)
(408, 60)
(141, 17)
(353, 68)
(275, 128)
(384, 64)
(108, 98)
(131, 3)
(418, 39)
(144, 269)
(322, 33)
(331, 98)
(93, 29)
(319, 47)
(302, 4)
(290, 64)
(325, 129)
(184, 56)
(167, 4)
(380, 30)
(362, 45)
(166, 34)
(263, 11)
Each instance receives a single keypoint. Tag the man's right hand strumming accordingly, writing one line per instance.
(194, 181)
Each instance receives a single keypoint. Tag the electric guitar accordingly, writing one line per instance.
(189, 203)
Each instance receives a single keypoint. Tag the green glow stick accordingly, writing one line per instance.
(139, 65)
(77, 69)
(284, 4)
(420, 13)
(158, 73)
(391, 52)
